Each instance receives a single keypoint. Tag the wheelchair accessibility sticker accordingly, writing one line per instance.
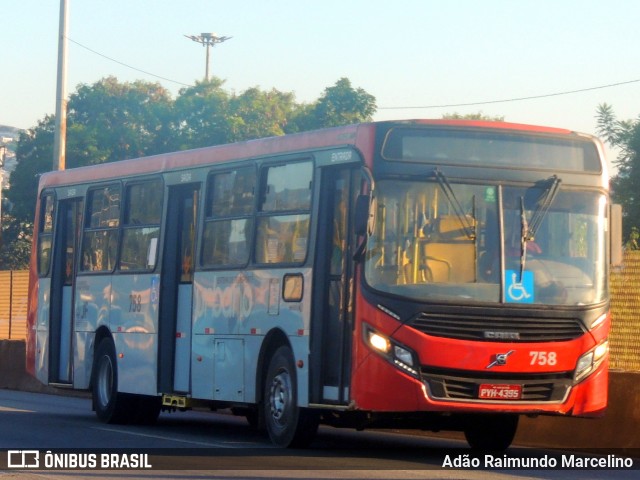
(519, 290)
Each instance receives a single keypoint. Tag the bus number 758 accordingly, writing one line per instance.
(543, 358)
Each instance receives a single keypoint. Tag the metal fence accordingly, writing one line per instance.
(14, 294)
(625, 308)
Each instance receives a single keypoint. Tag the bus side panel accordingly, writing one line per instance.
(206, 299)
(134, 319)
(233, 313)
(91, 310)
(136, 354)
(42, 331)
(83, 359)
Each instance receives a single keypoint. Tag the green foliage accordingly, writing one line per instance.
(110, 121)
(625, 186)
(634, 239)
(200, 114)
(14, 255)
(472, 116)
(340, 104)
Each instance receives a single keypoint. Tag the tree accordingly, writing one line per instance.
(201, 116)
(35, 156)
(340, 104)
(625, 186)
(110, 121)
(258, 114)
(473, 116)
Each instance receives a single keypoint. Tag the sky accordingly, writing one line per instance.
(419, 58)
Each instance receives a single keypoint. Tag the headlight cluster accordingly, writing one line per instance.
(402, 357)
(588, 362)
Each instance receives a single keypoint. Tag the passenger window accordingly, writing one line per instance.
(229, 223)
(288, 187)
(100, 240)
(141, 227)
(283, 222)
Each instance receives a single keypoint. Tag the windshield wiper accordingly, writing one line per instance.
(530, 228)
(468, 226)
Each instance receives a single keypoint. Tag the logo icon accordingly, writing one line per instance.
(519, 290)
(23, 459)
(501, 359)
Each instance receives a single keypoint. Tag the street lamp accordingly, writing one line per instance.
(207, 40)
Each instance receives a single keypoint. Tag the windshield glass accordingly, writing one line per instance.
(432, 246)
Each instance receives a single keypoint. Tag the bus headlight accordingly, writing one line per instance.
(591, 360)
(379, 343)
(402, 357)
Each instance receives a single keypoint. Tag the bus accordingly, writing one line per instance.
(425, 274)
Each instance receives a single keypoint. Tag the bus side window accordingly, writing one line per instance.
(100, 243)
(283, 222)
(141, 225)
(45, 235)
(229, 218)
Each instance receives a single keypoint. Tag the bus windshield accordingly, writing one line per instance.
(473, 243)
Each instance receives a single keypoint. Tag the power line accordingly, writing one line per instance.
(410, 107)
(128, 66)
(532, 97)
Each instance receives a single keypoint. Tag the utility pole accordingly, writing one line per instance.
(60, 136)
(207, 40)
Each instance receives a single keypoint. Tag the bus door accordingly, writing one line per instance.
(176, 289)
(63, 275)
(332, 320)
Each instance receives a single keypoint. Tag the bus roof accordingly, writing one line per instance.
(361, 136)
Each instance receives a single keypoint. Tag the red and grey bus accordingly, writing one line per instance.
(432, 274)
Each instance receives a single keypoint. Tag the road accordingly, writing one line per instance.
(200, 444)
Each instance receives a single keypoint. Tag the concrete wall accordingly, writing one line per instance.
(13, 375)
(617, 430)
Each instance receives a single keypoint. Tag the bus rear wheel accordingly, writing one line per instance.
(110, 405)
(491, 432)
(288, 425)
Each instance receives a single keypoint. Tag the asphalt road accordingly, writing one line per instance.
(63, 431)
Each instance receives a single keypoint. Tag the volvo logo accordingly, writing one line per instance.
(501, 335)
(501, 359)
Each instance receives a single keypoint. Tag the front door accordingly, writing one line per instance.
(63, 274)
(177, 289)
(332, 322)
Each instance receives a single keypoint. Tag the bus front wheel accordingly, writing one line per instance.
(110, 405)
(491, 432)
(288, 424)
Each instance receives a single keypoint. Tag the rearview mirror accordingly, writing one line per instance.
(615, 235)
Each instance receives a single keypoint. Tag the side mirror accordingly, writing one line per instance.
(615, 235)
(365, 215)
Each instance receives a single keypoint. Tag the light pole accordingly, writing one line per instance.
(207, 40)
(60, 136)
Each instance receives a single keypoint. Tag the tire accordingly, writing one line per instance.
(288, 425)
(110, 405)
(491, 432)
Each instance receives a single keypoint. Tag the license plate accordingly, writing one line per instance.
(491, 391)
